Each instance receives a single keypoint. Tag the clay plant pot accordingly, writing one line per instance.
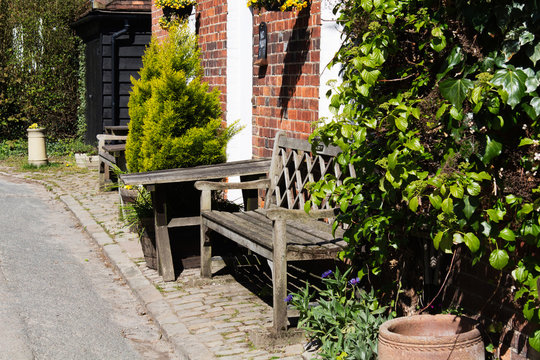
(430, 337)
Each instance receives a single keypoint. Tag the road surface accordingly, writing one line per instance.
(58, 298)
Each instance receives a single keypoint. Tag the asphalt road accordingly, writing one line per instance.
(58, 299)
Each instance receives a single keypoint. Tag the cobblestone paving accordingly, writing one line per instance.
(220, 312)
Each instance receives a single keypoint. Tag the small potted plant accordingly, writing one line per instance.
(282, 5)
(174, 11)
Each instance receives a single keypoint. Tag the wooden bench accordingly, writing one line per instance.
(282, 230)
(156, 182)
(111, 152)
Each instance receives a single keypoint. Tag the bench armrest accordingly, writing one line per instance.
(213, 185)
(295, 214)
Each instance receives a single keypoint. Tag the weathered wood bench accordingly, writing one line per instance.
(156, 182)
(111, 152)
(282, 230)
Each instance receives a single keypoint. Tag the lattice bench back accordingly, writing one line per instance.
(294, 165)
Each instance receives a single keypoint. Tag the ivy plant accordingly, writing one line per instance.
(438, 112)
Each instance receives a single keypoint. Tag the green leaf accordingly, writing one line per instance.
(529, 310)
(495, 215)
(456, 114)
(370, 77)
(512, 199)
(457, 191)
(392, 159)
(436, 201)
(476, 94)
(520, 274)
(307, 206)
(507, 234)
(401, 123)
(457, 238)
(413, 203)
(437, 240)
(474, 188)
(512, 82)
(535, 103)
(487, 228)
(414, 144)
(493, 149)
(455, 57)
(468, 208)
(534, 340)
(526, 141)
(367, 5)
(455, 90)
(498, 259)
(441, 110)
(448, 206)
(438, 43)
(472, 242)
(534, 54)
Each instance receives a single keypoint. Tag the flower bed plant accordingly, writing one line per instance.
(346, 319)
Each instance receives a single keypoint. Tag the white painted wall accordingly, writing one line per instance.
(239, 82)
(330, 44)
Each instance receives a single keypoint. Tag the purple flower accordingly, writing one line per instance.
(288, 298)
(354, 281)
(326, 273)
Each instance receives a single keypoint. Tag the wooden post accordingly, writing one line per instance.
(163, 244)
(206, 247)
(280, 275)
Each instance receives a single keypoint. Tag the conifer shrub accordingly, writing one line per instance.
(175, 119)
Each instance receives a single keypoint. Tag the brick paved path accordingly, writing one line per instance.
(220, 313)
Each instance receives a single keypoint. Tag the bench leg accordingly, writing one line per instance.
(206, 247)
(163, 243)
(279, 276)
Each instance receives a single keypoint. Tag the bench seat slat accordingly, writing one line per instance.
(293, 237)
(225, 224)
(297, 236)
(114, 148)
(251, 229)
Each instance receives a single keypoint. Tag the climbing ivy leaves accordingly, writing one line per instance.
(512, 85)
(455, 90)
(442, 128)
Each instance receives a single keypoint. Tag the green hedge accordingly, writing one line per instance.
(38, 67)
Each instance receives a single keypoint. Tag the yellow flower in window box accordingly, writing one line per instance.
(283, 5)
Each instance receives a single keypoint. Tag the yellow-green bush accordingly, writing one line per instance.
(175, 120)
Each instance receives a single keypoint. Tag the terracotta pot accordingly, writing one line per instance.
(430, 337)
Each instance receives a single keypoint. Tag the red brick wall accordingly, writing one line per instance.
(286, 91)
(157, 31)
(212, 31)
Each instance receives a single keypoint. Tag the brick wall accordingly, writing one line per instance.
(157, 31)
(212, 31)
(286, 91)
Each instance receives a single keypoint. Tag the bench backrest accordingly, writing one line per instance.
(294, 165)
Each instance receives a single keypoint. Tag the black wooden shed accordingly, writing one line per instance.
(115, 42)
